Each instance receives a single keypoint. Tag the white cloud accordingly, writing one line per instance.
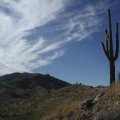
(19, 17)
(16, 53)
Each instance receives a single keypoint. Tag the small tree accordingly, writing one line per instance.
(109, 50)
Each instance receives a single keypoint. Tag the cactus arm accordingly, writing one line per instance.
(107, 49)
(107, 34)
(117, 42)
(106, 53)
(107, 38)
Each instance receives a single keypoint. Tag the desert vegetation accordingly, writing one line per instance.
(108, 50)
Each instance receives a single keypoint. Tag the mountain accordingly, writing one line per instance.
(22, 85)
(26, 96)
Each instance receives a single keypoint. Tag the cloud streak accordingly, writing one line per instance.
(18, 20)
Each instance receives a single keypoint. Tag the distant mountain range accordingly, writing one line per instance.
(22, 85)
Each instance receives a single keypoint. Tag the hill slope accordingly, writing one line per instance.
(28, 85)
(62, 104)
(69, 102)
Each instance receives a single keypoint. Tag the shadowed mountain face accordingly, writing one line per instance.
(28, 84)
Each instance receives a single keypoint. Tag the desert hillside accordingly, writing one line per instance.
(23, 85)
(61, 102)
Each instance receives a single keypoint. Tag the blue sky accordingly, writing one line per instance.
(59, 37)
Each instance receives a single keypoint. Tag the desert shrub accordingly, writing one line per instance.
(108, 115)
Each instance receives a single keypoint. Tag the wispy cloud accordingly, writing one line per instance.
(20, 19)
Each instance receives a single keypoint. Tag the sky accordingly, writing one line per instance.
(57, 37)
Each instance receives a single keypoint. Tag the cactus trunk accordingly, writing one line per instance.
(112, 73)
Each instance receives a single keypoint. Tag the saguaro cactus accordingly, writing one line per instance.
(109, 51)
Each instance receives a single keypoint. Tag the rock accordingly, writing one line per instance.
(88, 104)
(96, 99)
(117, 103)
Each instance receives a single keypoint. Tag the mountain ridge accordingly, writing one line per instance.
(28, 84)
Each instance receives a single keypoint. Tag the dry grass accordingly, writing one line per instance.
(109, 105)
(62, 110)
(63, 102)
(60, 104)
(66, 102)
(108, 115)
(113, 92)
